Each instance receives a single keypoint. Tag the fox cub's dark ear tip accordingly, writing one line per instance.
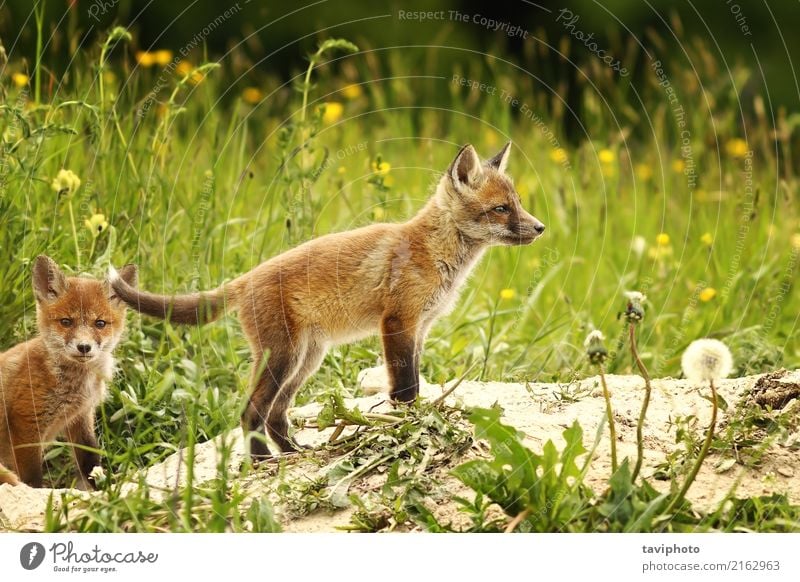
(500, 161)
(43, 261)
(130, 274)
(48, 281)
(46, 266)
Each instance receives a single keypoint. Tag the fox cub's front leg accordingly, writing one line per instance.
(81, 433)
(402, 357)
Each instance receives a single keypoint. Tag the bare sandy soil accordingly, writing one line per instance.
(541, 411)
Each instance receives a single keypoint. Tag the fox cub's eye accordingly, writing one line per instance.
(66, 322)
(100, 324)
(502, 209)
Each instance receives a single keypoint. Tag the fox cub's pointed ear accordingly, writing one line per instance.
(466, 171)
(48, 280)
(130, 274)
(500, 161)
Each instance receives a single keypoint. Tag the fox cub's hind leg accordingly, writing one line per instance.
(309, 361)
(402, 357)
(268, 375)
(274, 384)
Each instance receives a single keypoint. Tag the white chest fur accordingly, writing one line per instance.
(453, 277)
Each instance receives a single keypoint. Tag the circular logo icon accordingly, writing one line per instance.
(31, 555)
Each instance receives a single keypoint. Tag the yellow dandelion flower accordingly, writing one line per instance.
(66, 182)
(606, 156)
(707, 239)
(183, 68)
(707, 294)
(378, 213)
(352, 91)
(145, 58)
(341, 170)
(20, 79)
(332, 112)
(381, 169)
(736, 147)
(252, 95)
(678, 166)
(644, 172)
(197, 77)
(558, 155)
(662, 239)
(97, 224)
(162, 57)
(507, 294)
(795, 241)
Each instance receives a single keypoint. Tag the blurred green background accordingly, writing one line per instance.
(274, 36)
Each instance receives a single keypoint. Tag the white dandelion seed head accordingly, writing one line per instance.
(638, 245)
(705, 360)
(594, 336)
(635, 296)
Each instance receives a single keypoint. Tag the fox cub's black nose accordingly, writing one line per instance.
(84, 348)
(539, 228)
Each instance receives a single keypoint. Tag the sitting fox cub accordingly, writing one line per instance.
(394, 279)
(53, 383)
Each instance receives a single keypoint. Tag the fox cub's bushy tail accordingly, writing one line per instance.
(192, 308)
(7, 476)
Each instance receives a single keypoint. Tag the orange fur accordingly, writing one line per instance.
(392, 279)
(51, 384)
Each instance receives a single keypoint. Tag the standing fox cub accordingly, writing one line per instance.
(392, 279)
(53, 383)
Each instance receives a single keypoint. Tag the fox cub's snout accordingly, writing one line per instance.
(485, 204)
(78, 318)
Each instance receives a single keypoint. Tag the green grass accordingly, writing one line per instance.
(200, 186)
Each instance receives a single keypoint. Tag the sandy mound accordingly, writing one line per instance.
(542, 411)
